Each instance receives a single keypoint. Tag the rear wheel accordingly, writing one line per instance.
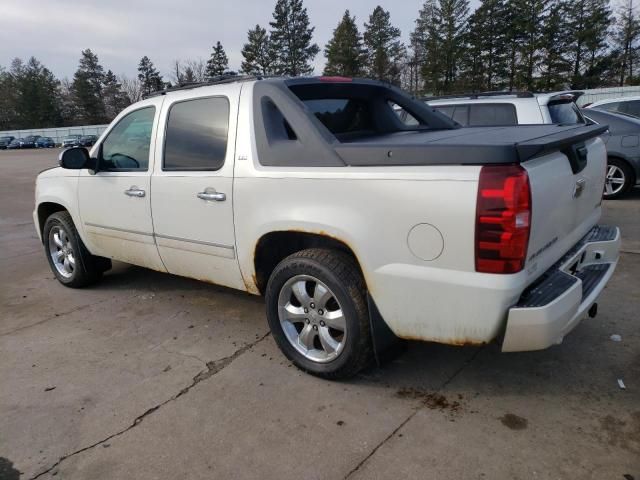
(69, 259)
(619, 179)
(317, 312)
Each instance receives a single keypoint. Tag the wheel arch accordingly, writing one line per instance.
(45, 210)
(275, 246)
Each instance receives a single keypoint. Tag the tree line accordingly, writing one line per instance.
(537, 45)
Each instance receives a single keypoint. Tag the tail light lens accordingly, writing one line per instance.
(503, 219)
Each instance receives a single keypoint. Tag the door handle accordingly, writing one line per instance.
(211, 195)
(135, 192)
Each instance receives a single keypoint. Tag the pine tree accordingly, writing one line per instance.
(486, 56)
(218, 62)
(425, 46)
(345, 51)
(451, 20)
(596, 43)
(87, 89)
(555, 67)
(625, 38)
(150, 78)
(385, 51)
(291, 37)
(257, 52)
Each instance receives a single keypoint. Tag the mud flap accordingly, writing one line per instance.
(386, 346)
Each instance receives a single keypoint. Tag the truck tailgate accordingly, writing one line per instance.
(566, 197)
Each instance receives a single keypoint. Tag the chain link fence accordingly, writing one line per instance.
(57, 134)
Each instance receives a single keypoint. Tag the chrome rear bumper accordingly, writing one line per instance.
(550, 308)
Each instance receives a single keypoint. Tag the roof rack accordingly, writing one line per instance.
(219, 80)
(475, 96)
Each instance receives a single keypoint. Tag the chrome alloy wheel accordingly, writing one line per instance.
(615, 180)
(312, 319)
(61, 251)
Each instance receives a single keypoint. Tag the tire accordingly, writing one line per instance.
(619, 179)
(75, 267)
(307, 328)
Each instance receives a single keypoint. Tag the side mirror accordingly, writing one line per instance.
(76, 158)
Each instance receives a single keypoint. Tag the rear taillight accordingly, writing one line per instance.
(503, 219)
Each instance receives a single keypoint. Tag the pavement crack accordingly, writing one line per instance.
(411, 415)
(213, 368)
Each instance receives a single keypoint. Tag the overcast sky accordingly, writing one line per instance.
(120, 32)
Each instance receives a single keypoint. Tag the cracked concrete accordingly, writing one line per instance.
(150, 376)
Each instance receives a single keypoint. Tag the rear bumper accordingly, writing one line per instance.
(555, 304)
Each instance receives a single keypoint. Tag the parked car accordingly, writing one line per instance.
(15, 143)
(355, 226)
(71, 141)
(87, 140)
(29, 142)
(623, 150)
(510, 108)
(45, 142)
(628, 105)
(5, 141)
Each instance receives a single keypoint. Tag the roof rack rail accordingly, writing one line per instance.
(220, 79)
(475, 96)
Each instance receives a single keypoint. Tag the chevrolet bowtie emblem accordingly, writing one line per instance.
(579, 188)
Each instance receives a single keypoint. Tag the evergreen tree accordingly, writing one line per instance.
(257, 52)
(451, 18)
(150, 78)
(596, 43)
(425, 47)
(345, 51)
(625, 39)
(291, 37)
(218, 62)
(115, 99)
(385, 51)
(555, 42)
(87, 89)
(486, 58)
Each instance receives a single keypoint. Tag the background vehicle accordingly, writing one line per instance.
(87, 140)
(29, 142)
(509, 108)
(71, 141)
(354, 225)
(623, 150)
(5, 141)
(627, 105)
(45, 142)
(15, 143)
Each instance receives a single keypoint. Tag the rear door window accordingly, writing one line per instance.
(461, 114)
(196, 135)
(632, 108)
(565, 113)
(487, 115)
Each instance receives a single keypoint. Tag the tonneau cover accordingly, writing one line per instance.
(465, 146)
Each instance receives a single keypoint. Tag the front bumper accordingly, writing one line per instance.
(550, 308)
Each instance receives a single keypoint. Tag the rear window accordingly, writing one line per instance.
(342, 115)
(566, 113)
(481, 114)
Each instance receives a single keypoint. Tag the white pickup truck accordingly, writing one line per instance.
(353, 223)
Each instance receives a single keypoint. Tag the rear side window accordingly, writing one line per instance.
(488, 115)
(566, 113)
(461, 114)
(609, 107)
(342, 115)
(632, 108)
(196, 135)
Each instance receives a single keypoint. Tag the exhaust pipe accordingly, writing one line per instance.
(593, 311)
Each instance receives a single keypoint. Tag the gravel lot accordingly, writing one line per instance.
(150, 376)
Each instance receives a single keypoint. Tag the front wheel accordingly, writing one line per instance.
(317, 312)
(70, 261)
(619, 179)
